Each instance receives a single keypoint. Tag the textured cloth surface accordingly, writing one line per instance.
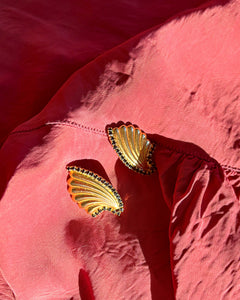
(178, 237)
(44, 42)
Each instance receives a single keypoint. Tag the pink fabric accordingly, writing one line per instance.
(179, 234)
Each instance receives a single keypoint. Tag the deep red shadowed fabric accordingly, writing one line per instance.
(44, 42)
(178, 237)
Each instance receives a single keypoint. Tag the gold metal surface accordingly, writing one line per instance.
(92, 192)
(133, 148)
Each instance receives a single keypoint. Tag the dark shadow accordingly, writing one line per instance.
(91, 165)
(147, 216)
(187, 7)
(187, 148)
(85, 286)
(216, 218)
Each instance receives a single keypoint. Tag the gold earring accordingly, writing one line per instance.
(133, 148)
(92, 192)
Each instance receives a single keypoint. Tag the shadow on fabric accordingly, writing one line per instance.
(147, 214)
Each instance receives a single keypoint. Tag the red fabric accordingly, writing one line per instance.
(44, 42)
(179, 234)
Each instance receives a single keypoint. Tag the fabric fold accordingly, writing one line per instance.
(204, 228)
(179, 234)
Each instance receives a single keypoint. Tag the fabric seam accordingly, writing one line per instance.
(103, 133)
(63, 123)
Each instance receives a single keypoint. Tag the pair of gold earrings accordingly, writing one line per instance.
(91, 191)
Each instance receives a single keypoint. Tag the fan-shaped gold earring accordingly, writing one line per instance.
(92, 192)
(133, 148)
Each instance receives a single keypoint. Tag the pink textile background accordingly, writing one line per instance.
(66, 74)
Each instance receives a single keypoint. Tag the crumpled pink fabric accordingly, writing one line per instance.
(178, 237)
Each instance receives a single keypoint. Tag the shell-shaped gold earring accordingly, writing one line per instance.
(92, 192)
(133, 148)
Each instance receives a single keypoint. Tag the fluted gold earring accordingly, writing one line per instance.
(133, 148)
(92, 192)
